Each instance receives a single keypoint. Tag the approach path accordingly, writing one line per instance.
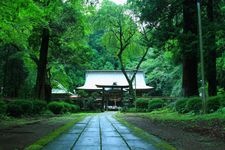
(99, 132)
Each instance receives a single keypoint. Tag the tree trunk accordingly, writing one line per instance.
(48, 88)
(5, 72)
(132, 92)
(211, 52)
(41, 72)
(189, 48)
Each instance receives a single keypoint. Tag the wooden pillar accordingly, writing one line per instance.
(121, 95)
(103, 98)
(107, 103)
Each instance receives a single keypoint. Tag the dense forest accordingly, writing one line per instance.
(48, 44)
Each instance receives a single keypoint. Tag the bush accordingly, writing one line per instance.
(3, 107)
(75, 108)
(90, 104)
(194, 105)
(141, 103)
(19, 107)
(131, 109)
(213, 104)
(180, 106)
(222, 100)
(39, 106)
(155, 104)
(56, 107)
(79, 102)
(62, 107)
(14, 110)
(70, 107)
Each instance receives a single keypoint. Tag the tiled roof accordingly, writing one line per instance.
(105, 77)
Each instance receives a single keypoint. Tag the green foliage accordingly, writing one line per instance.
(222, 100)
(155, 104)
(180, 105)
(14, 110)
(86, 37)
(59, 107)
(39, 106)
(3, 107)
(67, 107)
(18, 108)
(90, 104)
(56, 107)
(213, 104)
(162, 73)
(142, 103)
(194, 104)
(133, 109)
(82, 93)
(12, 70)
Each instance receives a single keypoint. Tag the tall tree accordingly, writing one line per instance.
(211, 50)
(189, 49)
(123, 38)
(42, 88)
(174, 20)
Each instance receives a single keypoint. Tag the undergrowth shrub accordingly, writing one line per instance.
(59, 107)
(75, 108)
(180, 105)
(155, 104)
(39, 106)
(70, 107)
(3, 107)
(213, 104)
(125, 109)
(90, 104)
(56, 107)
(18, 108)
(141, 103)
(194, 104)
(222, 100)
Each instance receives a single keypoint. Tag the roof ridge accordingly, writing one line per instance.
(112, 70)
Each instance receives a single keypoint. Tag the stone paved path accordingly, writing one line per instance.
(99, 132)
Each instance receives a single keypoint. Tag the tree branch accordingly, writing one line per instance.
(139, 63)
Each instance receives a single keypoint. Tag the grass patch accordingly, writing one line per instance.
(39, 144)
(167, 114)
(144, 135)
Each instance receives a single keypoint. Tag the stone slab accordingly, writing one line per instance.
(114, 147)
(113, 141)
(88, 141)
(86, 147)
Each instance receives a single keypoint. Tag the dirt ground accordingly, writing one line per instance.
(184, 135)
(18, 137)
(199, 135)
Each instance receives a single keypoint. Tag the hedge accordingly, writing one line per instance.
(194, 104)
(180, 105)
(141, 103)
(213, 104)
(59, 107)
(3, 107)
(18, 108)
(155, 104)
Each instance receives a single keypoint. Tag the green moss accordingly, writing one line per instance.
(160, 144)
(168, 114)
(39, 144)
